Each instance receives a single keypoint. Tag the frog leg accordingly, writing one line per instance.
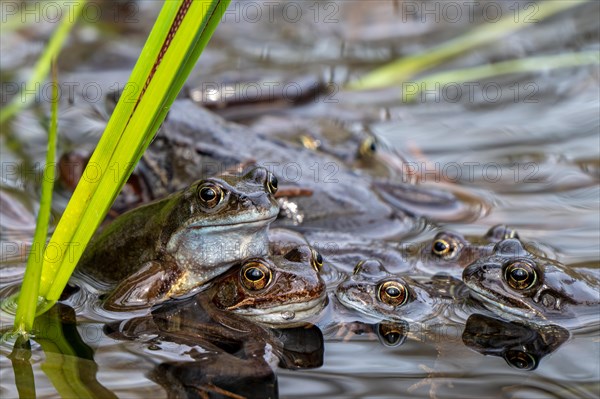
(142, 289)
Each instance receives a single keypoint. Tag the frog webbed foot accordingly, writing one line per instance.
(140, 290)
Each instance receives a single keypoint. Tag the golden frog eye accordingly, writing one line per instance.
(255, 275)
(210, 195)
(368, 147)
(443, 248)
(392, 293)
(520, 360)
(520, 275)
(316, 260)
(272, 183)
(358, 267)
(310, 142)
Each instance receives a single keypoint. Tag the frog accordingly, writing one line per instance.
(226, 349)
(520, 343)
(172, 246)
(355, 145)
(450, 252)
(351, 142)
(375, 292)
(516, 282)
(278, 290)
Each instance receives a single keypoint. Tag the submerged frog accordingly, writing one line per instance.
(350, 142)
(450, 252)
(515, 281)
(375, 292)
(171, 246)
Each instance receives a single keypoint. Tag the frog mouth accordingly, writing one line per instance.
(248, 223)
(282, 314)
(255, 221)
(495, 302)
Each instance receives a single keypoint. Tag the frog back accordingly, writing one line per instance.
(132, 239)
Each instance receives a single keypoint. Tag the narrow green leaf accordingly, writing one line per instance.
(405, 68)
(523, 65)
(28, 297)
(182, 30)
(43, 65)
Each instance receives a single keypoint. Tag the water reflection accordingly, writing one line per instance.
(229, 354)
(521, 344)
(390, 334)
(69, 362)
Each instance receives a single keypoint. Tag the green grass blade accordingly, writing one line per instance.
(28, 297)
(43, 65)
(182, 30)
(530, 64)
(407, 67)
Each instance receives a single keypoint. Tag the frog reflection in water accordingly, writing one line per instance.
(375, 292)
(521, 345)
(450, 252)
(515, 281)
(171, 246)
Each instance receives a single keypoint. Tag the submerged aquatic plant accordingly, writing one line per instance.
(530, 64)
(43, 65)
(405, 68)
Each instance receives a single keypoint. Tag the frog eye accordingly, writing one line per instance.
(358, 267)
(392, 293)
(272, 183)
(520, 360)
(501, 232)
(368, 147)
(210, 194)
(520, 275)
(310, 142)
(316, 261)
(255, 275)
(444, 248)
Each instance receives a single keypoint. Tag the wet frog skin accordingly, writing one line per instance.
(373, 291)
(514, 281)
(283, 290)
(171, 246)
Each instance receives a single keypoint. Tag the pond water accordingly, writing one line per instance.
(527, 145)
